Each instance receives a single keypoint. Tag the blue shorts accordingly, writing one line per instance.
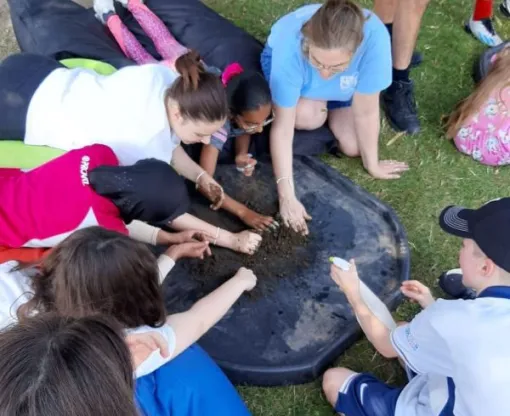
(191, 384)
(365, 395)
(265, 63)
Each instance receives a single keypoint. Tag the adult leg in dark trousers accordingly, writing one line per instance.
(62, 29)
(403, 20)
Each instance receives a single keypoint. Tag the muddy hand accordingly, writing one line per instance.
(257, 221)
(294, 215)
(246, 164)
(212, 190)
(248, 242)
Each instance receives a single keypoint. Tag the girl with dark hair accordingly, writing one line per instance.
(87, 187)
(40, 378)
(248, 94)
(100, 271)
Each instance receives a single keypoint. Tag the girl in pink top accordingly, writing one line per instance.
(87, 187)
(480, 125)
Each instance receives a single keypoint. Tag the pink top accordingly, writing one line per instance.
(486, 135)
(41, 207)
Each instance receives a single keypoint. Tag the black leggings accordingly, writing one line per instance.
(20, 75)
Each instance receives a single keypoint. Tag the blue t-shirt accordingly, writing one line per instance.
(292, 76)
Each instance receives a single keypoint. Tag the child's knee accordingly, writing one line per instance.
(333, 380)
(349, 147)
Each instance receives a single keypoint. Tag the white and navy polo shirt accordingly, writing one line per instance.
(460, 351)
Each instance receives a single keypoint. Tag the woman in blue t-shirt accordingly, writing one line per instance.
(327, 63)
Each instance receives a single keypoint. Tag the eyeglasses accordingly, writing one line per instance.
(332, 68)
(250, 128)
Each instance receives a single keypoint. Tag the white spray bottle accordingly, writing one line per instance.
(372, 301)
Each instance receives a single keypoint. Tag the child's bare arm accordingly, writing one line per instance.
(189, 326)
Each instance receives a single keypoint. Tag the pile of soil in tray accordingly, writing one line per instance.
(281, 254)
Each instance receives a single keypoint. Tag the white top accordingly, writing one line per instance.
(460, 351)
(15, 291)
(73, 108)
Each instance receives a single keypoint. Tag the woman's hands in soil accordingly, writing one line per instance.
(347, 281)
(247, 277)
(245, 163)
(247, 242)
(388, 169)
(194, 249)
(417, 292)
(141, 346)
(212, 190)
(294, 215)
(258, 221)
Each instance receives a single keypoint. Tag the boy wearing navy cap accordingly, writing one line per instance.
(458, 349)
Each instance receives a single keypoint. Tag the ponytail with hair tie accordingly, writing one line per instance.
(231, 71)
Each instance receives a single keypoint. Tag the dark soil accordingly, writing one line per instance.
(281, 254)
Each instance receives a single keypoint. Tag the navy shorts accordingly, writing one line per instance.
(365, 395)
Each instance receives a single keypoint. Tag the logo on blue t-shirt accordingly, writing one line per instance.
(349, 82)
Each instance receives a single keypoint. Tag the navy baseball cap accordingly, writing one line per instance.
(488, 226)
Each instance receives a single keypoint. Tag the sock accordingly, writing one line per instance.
(482, 9)
(401, 75)
(389, 26)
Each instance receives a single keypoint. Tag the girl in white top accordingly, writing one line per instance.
(140, 112)
(100, 271)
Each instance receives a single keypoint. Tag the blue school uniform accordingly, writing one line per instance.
(189, 385)
(458, 352)
(291, 75)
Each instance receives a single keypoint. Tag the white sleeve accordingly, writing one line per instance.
(165, 265)
(421, 343)
(141, 231)
(14, 292)
(155, 360)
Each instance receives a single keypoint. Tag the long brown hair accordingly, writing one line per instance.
(60, 366)
(498, 77)
(95, 270)
(199, 94)
(337, 24)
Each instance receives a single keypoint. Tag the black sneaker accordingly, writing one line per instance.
(451, 284)
(416, 59)
(504, 8)
(400, 107)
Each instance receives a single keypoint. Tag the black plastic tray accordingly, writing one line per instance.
(293, 334)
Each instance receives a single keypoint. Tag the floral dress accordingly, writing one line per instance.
(486, 135)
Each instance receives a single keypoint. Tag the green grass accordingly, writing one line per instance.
(439, 174)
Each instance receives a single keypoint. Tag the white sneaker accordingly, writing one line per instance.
(483, 30)
(103, 8)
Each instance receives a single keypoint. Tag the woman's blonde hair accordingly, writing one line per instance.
(498, 77)
(337, 24)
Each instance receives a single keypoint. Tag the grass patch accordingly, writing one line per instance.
(439, 174)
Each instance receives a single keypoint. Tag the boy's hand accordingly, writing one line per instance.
(141, 346)
(197, 249)
(247, 277)
(347, 281)
(417, 292)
